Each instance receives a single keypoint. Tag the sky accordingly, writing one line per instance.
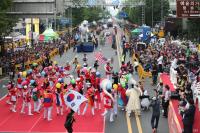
(113, 11)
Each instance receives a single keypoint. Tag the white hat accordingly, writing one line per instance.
(35, 89)
(78, 79)
(132, 81)
(145, 93)
(154, 98)
(25, 87)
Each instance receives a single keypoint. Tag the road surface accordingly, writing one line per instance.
(122, 123)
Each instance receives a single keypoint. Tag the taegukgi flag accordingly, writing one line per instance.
(73, 99)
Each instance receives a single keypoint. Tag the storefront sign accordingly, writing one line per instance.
(188, 8)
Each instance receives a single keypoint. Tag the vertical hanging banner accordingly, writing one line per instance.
(188, 8)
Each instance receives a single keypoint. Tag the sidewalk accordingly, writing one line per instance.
(3, 81)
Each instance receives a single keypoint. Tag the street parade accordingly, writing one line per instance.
(100, 67)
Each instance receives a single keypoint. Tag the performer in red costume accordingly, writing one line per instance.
(79, 84)
(13, 98)
(108, 70)
(93, 78)
(48, 104)
(26, 100)
(90, 97)
(97, 95)
(108, 104)
(9, 88)
(59, 101)
(122, 93)
(36, 98)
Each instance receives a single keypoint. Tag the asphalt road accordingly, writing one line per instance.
(120, 124)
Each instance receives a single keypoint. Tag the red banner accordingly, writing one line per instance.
(174, 125)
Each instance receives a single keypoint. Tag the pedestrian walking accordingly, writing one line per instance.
(155, 104)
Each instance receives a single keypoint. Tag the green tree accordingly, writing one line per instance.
(90, 14)
(136, 12)
(6, 21)
(194, 29)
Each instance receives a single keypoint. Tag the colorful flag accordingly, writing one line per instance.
(73, 99)
(99, 56)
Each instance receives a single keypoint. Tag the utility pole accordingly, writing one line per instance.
(161, 12)
(152, 13)
(143, 12)
(55, 12)
(71, 18)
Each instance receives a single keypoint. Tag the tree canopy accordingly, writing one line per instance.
(90, 14)
(6, 21)
(135, 13)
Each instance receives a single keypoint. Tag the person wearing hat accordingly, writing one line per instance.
(9, 88)
(155, 104)
(75, 62)
(36, 98)
(108, 102)
(133, 93)
(90, 96)
(69, 122)
(26, 100)
(188, 116)
(48, 104)
(13, 98)
(79, 84)
(59, 99)
(96, 65)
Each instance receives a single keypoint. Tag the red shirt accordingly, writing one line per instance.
(108, 102)
(87, 75)
(97, 82)
(67, 68)
(79, 86)
(81, 78)
(28, 97)
(19, 80)
(48, 99)
(92, 79)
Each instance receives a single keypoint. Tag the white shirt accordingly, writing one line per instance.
(167, 95)
(160, 60)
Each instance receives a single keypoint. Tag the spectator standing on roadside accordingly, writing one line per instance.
(154, 74)
(167, 95)
(188, 116)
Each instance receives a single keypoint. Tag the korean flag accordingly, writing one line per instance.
(73, 99)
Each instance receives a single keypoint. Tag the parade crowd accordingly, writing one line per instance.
(181, 64)
(40, 84)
